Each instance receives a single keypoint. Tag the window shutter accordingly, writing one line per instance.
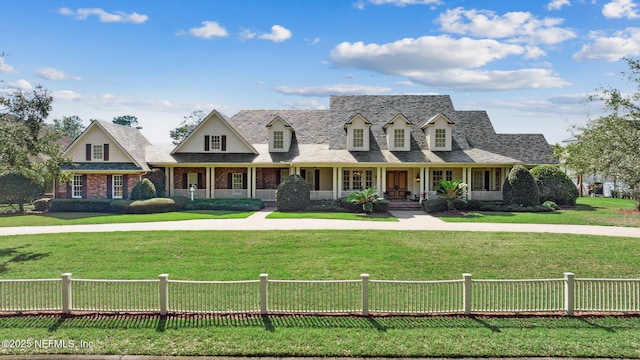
(224, 143)
(69, 190)
(185, 181)
(125, 186)
(207, 142)
(106, 152)
(229, 181)
(303, 173)
(317, 179)
(88, 152)
(201, 184)
(84, 186)
(278, 177)
(109, 186)
(244, 180)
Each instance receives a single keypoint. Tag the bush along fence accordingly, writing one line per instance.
(364, 296)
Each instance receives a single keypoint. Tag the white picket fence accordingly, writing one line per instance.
(363, 296)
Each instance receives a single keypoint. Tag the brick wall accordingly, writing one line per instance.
(178, 176)
(96, 186)
(267, 178)
(222, 176)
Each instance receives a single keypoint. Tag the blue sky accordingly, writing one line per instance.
(529, 64)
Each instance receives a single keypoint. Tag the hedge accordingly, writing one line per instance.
(229, 204)
(378, 207)
(150, 206)
(81, 205)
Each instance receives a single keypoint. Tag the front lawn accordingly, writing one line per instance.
(240, 255)
(80, 218)
(588, 211)
(332, 215)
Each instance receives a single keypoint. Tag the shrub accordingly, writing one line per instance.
(551, 205)
(143, 190)
(16, 188)
(41, 205)
(150, 206)
(293, 194)
(366, 198)
(382, 205)
(229, 204)
(555, 185)
(326, 205)
(80, 205)
(180, 201)
(520, 188)
(435, 205)
(515, 208)
(156, 176)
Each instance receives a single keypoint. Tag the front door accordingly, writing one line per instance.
(396, 184)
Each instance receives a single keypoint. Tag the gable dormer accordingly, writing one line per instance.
(438, 131)
(280, 134)
(97, 144)
(398, 132)
(357, 133)
(215, 134)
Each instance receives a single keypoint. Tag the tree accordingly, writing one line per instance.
(26, 144)
(18, 189)
(610, 145)
(520, 188)
(127, 120)
(293, 194)
(186, 126)
(70, 126)
(554, 185)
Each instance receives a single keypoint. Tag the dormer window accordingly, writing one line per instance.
(398, 133)
(278, 140)
(215, 142)
(97, 152)
(280, 134)
(357, 133)
(438, 131)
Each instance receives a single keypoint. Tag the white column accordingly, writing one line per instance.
(264, 278)
(379, 180)
(207, 173)
(569, 290)
(467, 293)
(384, 179)
(365, 294)
(254, 181)
(163, 293)
(335, 183)
(170, 175)
(339, 182)
(427, 180)
(67, 294)
(213, 182)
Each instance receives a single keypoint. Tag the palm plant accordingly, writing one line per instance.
(451, 190)
(366, 197)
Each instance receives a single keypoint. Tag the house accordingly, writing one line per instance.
(402, 145)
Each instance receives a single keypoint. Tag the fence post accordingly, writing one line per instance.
(263, 293)
(163, 294)
(467, 293)
(365, 294)
(67, 294)
(569, 293)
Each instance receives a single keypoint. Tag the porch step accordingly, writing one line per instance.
(404, 205)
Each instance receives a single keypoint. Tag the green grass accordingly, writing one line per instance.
(606, 337)
(588, 211)
(332, 215)
(327, 254)
(73, 218)
(239, 255)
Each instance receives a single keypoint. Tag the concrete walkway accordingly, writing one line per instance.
(409, 220)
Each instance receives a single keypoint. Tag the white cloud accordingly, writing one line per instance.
(6, 68)
(50, 73)
(446, 63)
(611, 48)
(107, 101)
(621, 9)
(303, 105)
(21, 84)
(278, 34)
(400, 3)
(558, 4)
(515, 26)
(338, 89)
(208, 30)
(424, 54)
(105, 17)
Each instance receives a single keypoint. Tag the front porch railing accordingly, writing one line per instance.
(199, 194)
(230, 193)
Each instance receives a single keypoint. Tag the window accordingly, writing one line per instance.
(346, 180)
(98, 152)
(498, 180)
(283, 175)
(441, 138)
(368, 179)
(478, 180)
(398, 138)
(278, 140)
(437, 176)
(237, 184)
(358, 138)
(192, 179)
(76, 187)
(215, 142)
(117, 186)
(449, 175)
(357, 180)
